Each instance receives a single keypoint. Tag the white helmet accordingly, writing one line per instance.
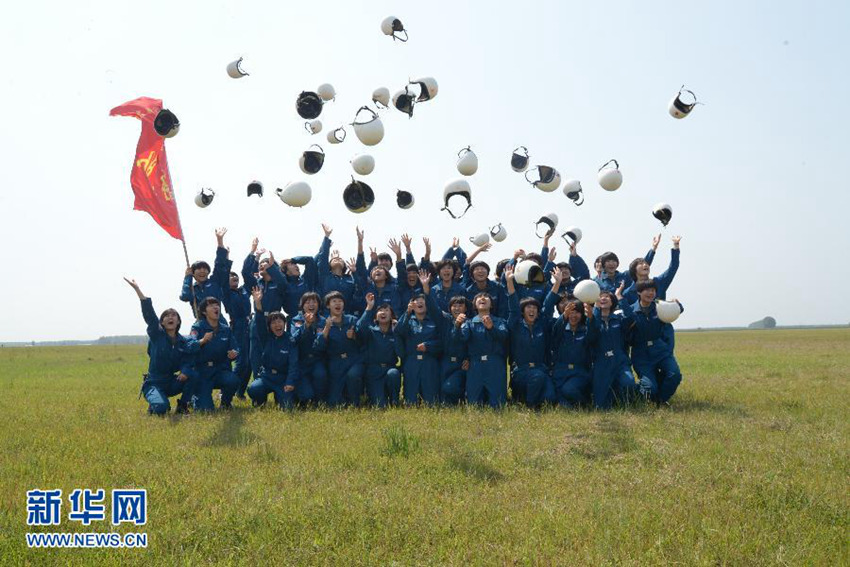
(551, 222)
(548, 178)
(519, 159)
(326, 92)
(458, 187)
(663, 212)
(587, 291)
(572, 235)
(255, 188)
(370, 132)
(528, 272)
(392, 26)
(572, 189)
(358, 197)
(498, 232)
(381, 97)
(166, 124)
(311, 161)
(404, 100)
(679, 108)
(427, 88)
(610, 178)
(467, 162)
(336, 136)
(480, 240)
(363, 164)
(234, 69)
(204, 197)
(295, 194)
(404, 199)
(308, 105)
(668, 311)
(313, 126)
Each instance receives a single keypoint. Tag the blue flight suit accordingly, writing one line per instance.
(662, 282)
(212, 367)
(296, 286)
(274, 291)
(214, 286)
(345, 363)
(612, 374)
(383, 377)
(498, 298)
(443, 295)
(486, 378)
(167, 358)
(312, 365)
(607, 283)
(529, 348)
(421, 369)
(452, 374)
(405, 292)
(329, 282)
(535, 290)
(571, 355)
(278, 368)
(384, 295)
(237, 303)
(652, 354)
(408, 258)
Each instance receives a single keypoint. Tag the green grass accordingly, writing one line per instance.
(749, 466)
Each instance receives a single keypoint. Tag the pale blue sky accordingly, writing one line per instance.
(756, 176)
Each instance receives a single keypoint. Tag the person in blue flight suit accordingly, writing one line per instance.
(448, 283)
(332, 274)
(278, 370)
(485, 337)
(475, 279)
(376, 281)
(338, 340)
(530, 343)
(172, 358)
(454, 362)
(545, 260)
(218, 349)
(237, 303)
(612, 376)
(375, 329)
(268, 277)
(296, 283)
(422, 344)
(609, 279)
(571, 355)
(652, 350)
(639, 272)
(207, 285)
(303, 328)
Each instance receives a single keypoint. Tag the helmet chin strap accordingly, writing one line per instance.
(398, 37)
(448, 210)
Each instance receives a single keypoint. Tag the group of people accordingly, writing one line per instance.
(316, 330)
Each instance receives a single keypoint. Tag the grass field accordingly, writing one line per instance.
(749, 466)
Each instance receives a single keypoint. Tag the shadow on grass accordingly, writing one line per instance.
(474, 467)
(230, 432)
(613, 439)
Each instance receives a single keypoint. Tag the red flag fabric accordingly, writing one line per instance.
(149, 178)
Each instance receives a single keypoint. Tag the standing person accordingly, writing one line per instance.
(238, 305)
(652, 350)
(609, 279)
(612, 374)
(571, 354)
(379, 282)
(278, 371)
(171, 358)
(419, 331)
(375, 328)
(476, 280)
(338, 340)
(529, 344)
(332, 274)
(448, 284)
(408, 284)
(485, 336)
(296, 283)
(218, 349)
(304, 328)
(455, 360)
(206, 285)
(639, 272)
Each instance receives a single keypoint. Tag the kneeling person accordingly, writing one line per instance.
(218, 349)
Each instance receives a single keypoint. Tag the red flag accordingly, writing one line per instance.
(150, 178)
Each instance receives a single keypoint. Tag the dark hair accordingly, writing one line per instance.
(200, 264)
(500, 267)
(206, 303)
(381, 306)
(564, 266)
(597, 261)
(579, 307)
(526, 301)
(646, 284)
(477, 263)
(274, 317)
(614, 300)
(171, 311)
(418, 296)
(446, 262)
(633, 267)
(333, 295)
(380, 267)
(609, 256)
(384, 256)
(458, 299)
(411, 268)
(480, 294)
(536, 258)
(307, 296)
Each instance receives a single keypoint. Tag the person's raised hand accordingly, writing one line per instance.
(328, 230)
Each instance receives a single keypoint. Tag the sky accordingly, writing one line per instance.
(756, 176)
